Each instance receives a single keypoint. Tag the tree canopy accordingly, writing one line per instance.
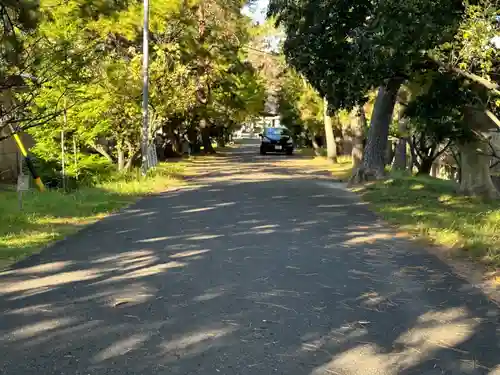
(84, 61)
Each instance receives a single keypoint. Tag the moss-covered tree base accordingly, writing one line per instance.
(363, 175)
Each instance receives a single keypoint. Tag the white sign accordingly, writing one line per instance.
(23, 182)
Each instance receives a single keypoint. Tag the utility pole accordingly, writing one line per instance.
(63, 156)
(145, 89)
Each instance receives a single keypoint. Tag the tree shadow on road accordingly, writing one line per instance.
(263, 274)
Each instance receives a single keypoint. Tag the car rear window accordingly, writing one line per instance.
(277, 131)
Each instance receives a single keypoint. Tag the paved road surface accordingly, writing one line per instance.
(260, 269)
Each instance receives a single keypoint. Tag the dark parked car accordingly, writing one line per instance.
(277, 139)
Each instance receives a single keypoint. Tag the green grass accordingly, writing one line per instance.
(52, 215)
(342, 169)
(430, 209)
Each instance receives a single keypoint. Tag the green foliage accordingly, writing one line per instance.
(89, 55)
(300, 106)
(438, 113)
(471, 49)
(345, 48)
(18, 18)
(437, 110)
(55, 214)
(473, 56)
(431, 209)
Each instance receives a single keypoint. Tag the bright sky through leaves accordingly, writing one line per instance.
(257, 11)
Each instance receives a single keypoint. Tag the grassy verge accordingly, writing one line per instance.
(49, 216)
(342, 169)
(431, 210)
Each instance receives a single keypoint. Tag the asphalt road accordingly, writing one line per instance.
(259, 268)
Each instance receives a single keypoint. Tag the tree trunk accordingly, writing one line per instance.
(103, 151)
(434, 170)
(175, 141)
(457, 175)
(378, 133)
(221, 141)
(315, 145)
(132, 154)
(389, 153)
(358, 136)
(475, 171)
(331, 146)
(399, 162)
(205, 137)
(425, 166)
(414, 163)
(120, 154)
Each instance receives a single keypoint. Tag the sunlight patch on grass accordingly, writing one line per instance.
(52, 215)
(342, 169)
(417, 187)
(430, 208)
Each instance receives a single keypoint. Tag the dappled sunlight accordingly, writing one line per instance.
(189, 253)
(495, 371)
(39, 328)
(261, 270)
(209, 296)
(143, 214)
(253, 232)
(38, 269)
(59, 336)
(133, 293)
(209, 208)
(202, 209)
(126, 231)
(363, 359)
(196, 342)
(121, 347)
(269, 226)
(432, 210)
(139, 262)
(31, 310)
(417, 187)
(432, 332)
(368, 239)
(309, 222)
(159, 239)
(233, 170)
(296, 230)
(34, 239)
(48, 281)
(203, 237)
(254, 221)
(225, 204)
(147, 271)
(124, 257)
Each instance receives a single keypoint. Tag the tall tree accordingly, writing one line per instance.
(346, 48)
(331, 145)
